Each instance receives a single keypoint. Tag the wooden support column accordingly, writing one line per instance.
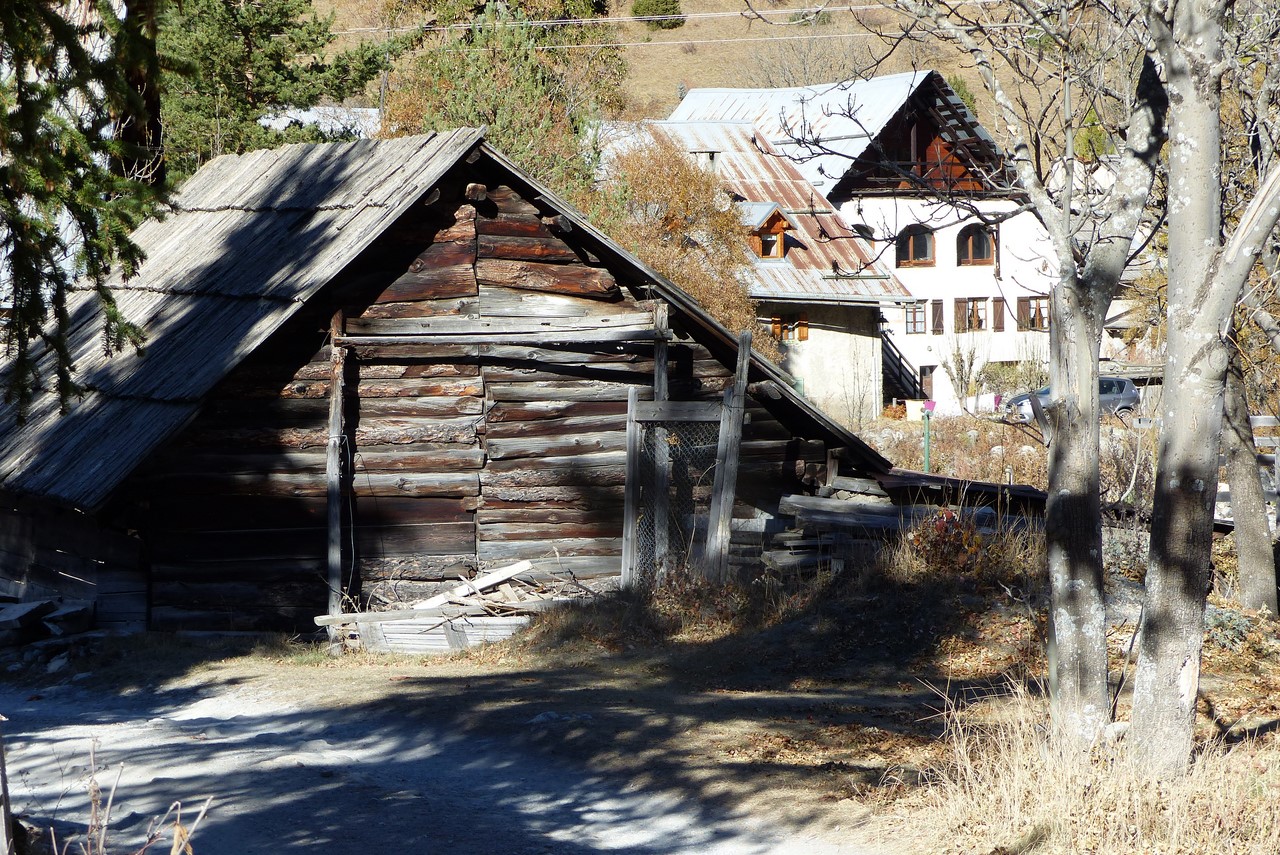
(333, 466)
(631, 494)
(7, 843)
(726, 478)
(662, 451)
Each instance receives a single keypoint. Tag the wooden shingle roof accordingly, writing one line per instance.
(249, 239)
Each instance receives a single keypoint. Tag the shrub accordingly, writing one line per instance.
(668, 10)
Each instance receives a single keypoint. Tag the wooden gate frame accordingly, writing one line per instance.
(729, 413)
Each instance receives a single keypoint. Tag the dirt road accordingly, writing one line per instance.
(319, 762)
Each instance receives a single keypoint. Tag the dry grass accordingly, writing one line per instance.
(981, 448)
(1005, 787)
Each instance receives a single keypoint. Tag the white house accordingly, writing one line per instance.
(819, 287)
(913, 172)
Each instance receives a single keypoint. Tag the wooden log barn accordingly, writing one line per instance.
(401, 361)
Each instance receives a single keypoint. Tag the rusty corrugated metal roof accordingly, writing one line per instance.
(825, 260)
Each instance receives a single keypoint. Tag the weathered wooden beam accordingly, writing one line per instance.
(333, 469)
(727, 460)
(558, 278)
(557, 445)
(631, 500)
(678, 411)
(457, 325)
(525, 249)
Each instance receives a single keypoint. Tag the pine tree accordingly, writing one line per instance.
(238, 63)
(501, 72)
(63, 211)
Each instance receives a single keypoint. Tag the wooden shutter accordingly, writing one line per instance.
(997, 314)
(936, 309)
(962, 315)
(1024, 313)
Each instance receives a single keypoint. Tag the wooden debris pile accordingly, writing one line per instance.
(490, 607)
(24, 622)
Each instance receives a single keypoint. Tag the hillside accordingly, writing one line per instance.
(720, 46)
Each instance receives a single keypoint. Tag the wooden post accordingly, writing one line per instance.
(631, 493)
(333, 467)
(662, 451)
(6, 814)
(726, 478)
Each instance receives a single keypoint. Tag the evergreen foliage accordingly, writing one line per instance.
(538, 104)
(242, 62)
(63, 210)
(668, 10)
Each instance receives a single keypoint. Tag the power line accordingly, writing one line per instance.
(617, 19)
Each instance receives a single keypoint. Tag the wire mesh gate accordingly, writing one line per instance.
(676, 474)
(682, 466)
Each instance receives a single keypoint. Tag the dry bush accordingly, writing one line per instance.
(677, 217)
(979, 449)
(947, 545)
(1007, 787)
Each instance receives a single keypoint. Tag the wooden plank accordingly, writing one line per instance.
(334, 470)
(516, 225)
(385, 431)
(521, 411)
(525, 248)
(419, 458)
(373, 409)
(426, 608)
(727, 461)
(631, 506)
(532, 549)
(557, 278)
(437, 283)
(662, 451)
(457, 325)
(555, 428)
(510, 202)
(422, 308)
(382, 541)
(678, 411)
(497, 302)
(571, 495)
(585, 390)
(425, 387)
(238, 513)
(558, 445)
(598, 372)
(510, 531)
(576, 353)
(531, 512)
(289, 484)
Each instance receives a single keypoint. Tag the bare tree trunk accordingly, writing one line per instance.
(1248, 505)
(1167, 677)
(1073, 523)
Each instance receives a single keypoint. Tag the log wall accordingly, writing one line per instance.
(488, 363)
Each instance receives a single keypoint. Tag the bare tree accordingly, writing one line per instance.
(1209, 263)
(1054, 70)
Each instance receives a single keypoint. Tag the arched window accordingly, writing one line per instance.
(976, 245)
(915, 247)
